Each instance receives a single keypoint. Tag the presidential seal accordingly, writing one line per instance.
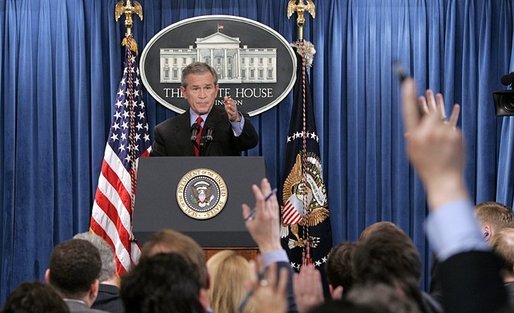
(202, 194)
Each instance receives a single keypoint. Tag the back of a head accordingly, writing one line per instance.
(168, 240)
(387, 255)
(161, 283)
(503, 243)
(229, 272)
(377, 227)
(384, 298)
(215, 261)
(495, 214)
(338, 306)
(74, 265)
(106, 254)
(339, 268)
(34, 297)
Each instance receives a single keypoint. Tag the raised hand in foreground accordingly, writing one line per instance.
(435, 149)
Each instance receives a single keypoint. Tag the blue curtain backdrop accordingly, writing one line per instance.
(61, 62)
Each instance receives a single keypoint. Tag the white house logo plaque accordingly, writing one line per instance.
(256, 66)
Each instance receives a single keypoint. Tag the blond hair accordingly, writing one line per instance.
(494, 213)
(229, 273)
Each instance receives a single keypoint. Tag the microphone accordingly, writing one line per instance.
(206, 139)
(209, 137)
(195, 128)
(508, 79)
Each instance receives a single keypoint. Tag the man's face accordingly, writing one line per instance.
(200, 92)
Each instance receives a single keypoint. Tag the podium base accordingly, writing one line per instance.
(247, 253)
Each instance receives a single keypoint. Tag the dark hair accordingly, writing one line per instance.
(34, 297)
(337, 306)
(74, 265)
(198, 68)
(384, 298)
(168, 240)
(162, 283)
(378, 226)
(339, 268)
(108, 270)
(387, 255)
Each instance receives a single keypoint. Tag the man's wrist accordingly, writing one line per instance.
(445, 238)
(264, 248)
(274, 256)
(237, 118)
(442, 191)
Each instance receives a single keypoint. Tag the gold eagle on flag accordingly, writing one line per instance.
(128, 9)
(308, 198)
(301, 7)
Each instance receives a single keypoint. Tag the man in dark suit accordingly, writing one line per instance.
(162, 283)
(108, 298)
(167, 241)
(73, 271)
(205, 129)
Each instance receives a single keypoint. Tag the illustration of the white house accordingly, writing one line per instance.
(233, 63)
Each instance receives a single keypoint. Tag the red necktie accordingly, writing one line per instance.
(199, 121)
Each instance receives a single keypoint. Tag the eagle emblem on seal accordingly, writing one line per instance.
(202, 193)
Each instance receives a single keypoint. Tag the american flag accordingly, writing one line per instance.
(128, 140)
(292, 211)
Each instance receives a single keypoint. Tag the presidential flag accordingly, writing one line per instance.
(128, 140)
(306, 233)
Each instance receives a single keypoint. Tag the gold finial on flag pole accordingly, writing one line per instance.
(301, 7)
(128, 9)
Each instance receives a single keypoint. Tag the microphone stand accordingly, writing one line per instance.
(195, 128)
(206, 139)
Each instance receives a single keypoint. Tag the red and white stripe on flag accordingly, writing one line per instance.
(128, 140)
(291, 211)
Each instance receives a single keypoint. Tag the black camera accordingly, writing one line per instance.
(504, 100)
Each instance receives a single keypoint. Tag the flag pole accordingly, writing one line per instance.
(306, 51)
(128, 140)
(129, 42)
(128, 10)
(300, 7)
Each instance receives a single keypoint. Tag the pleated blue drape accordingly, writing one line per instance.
(61, 62)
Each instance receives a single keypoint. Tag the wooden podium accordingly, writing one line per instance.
(162, 190)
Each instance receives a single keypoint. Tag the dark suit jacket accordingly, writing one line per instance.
(108, 299)
(173, 136)
(471, 283)
(510, 293)
(291, 303)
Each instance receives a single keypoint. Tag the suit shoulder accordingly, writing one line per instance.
(171, 122)
(218, 111)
